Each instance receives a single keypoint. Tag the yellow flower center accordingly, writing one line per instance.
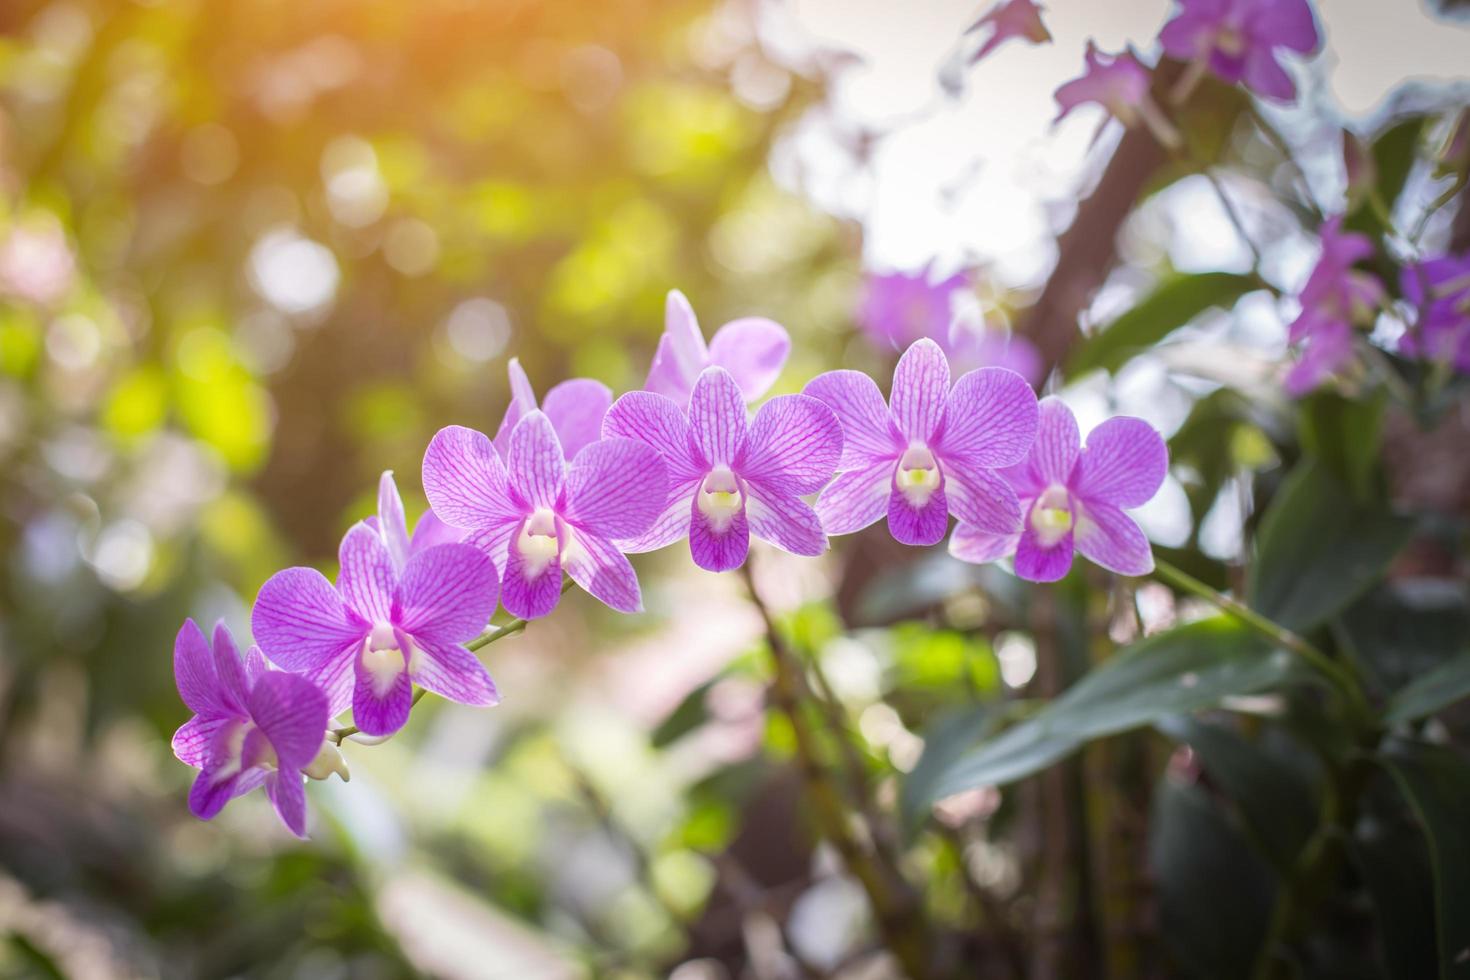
(918, 475)
(720, 498)
(1051, 516)
(383, 660)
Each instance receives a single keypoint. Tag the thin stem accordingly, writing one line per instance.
(1445, 197)
(1235, 218)
(489, 636)
(1274, 137)
(1340, 676)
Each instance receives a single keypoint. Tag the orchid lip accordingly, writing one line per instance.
(918, 476)
(1051, 516)
(384, 660)
(539, 543)
(720, 497)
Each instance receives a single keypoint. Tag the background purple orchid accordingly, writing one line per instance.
(1335, 299)
(575, 409)
(752, 349)
(252, 726)
(536, 516)
(398, 616)
(1008, 19)
(1238, 40)
(1438, 289)
(732, 477)
(928, 452)
(1074, 498)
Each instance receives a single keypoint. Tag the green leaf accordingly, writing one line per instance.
(1171, 305)
(1404, 629)
(950, 736)
(1431, 692)
(691, 713)
(1270, 783)
(1393, 858)
(1435, 781)
(1184, 670)
(1214, 893)
(1394, 152)
(1344, 435)
(1318, 550)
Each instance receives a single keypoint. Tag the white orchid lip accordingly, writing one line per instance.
(383, 659)
(720, 498)
(918, 474)
(538, 543)
(1051, 516)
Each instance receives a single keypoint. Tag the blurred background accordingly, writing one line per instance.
(253, 252)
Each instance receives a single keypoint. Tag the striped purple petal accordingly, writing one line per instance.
(794, 444)
(292, 713)
(979, 547)
(981, 498)
(392, 524)
(287, 793)
(301, 623)
(1040, 561)
(718, 546)
(452, 672)
(447, 594)
(922, 524)
(717, 417)
(920, 390)
(367, 577)
(536, 465)
(783, 520)
(1113, 540)
(616, 488)
(1124, 464)
(576, 409)
(681, 352)
(868, 431)
(596, 564)
(856, 498)
(195, 675)
(466, 481)
(753, 350)
(990, 419)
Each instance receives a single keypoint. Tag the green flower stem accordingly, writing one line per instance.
(1340, 676)
(489, 636)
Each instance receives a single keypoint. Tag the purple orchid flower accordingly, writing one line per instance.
(1074, 498)
(1238, 40)
(1011, 18)
(252, 726)
(1119, 83)
(575, 408)
(930, 451)
(731, 477)
(899, 308)
(1439, 291)
(399, 615)
(536, 516)
(1336, 297)
(752, 349)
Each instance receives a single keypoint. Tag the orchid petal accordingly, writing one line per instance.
(1125, 463)
(537, 467)
(301, 623)
(447, 594)
(1113, 540)
(856, 498)
(466, 480)
(753, 350)
(868, 432)
(616, 488)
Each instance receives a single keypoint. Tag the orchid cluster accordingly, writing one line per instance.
(573, 484)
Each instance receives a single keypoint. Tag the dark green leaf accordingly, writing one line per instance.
(1344, 435)
(1184, 670)
(1394, 152)
(1431, 692)
(950, 736)
(1317, 549)
(1393, 858)
(1214, 894)
(1404, 629)
(1268, 780)
(690, 714)
(1435, 781)
(1171, 305)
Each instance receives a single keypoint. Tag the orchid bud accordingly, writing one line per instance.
(328, 760)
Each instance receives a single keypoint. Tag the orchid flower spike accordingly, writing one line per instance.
(930, 451)
(1008, 19)
(730, 477)
(1336, 298)
(575, 408)
(252, 726)
(1119, 83)
(752, 349)
(1439, 291)
(398, 616)
(536, 516)
(1237, 40)
(1074, 498)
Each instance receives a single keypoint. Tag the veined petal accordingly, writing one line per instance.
(292, 713)
(1113, 540)
(753, 350)
(856, 498)
(191, 743)
(981, 498)
(718, 547)
(447, 594)
(209, 794)
(452, 672)
(794, 445)
(783, 519)
(1125, 463)
(656, 421)
(920, 389)
(616, 488)
(576, 409)
(969, 543)
(234, 684)
(367, 577)
(194, 672)
(255, 665)
(494, 543)
(430, 531)
(1038, 562)
(529, 590)
(287, 793)
(379, 707)
(596, 564)
(466, 480)
(522, 400)
(392, 525)
(301, 623)
(922, 525)
(538, 470)
(990, 418)
(717, 417)
(868, 432)
(681, 353)
(672, 522)
(1058, 445)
